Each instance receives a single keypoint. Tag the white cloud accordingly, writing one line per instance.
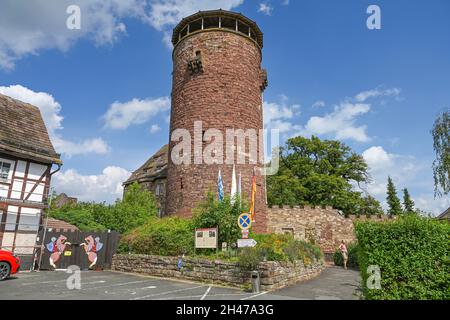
(377, 158)
(318, 104)
(406, 171)
(378, 92)
(122, 115)
(279, 115)
(265, 8)
(428, 203)
(50, 110)
(106, 186)
(69, 148)
(285, 2)
(154, 128)
(340, 123)
(403, 169)
(165, 14)
(42, 25)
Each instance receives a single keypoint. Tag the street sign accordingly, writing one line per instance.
(244, 234)
(245, 221)
(245, 243)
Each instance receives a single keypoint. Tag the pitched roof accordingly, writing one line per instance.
(153, 168)
(23, 132)
(59, 225)
(445, 214)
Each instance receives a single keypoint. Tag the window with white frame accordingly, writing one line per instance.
(5, 169)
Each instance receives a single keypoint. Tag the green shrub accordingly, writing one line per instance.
(167, 237)
(413, 255)
(282, 247)
(79, 216)
(352, 262)
(249, 258)
(136, 208)
(223, 214)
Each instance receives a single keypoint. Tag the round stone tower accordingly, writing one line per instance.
(217, 84)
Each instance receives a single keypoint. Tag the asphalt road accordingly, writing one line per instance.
(333, 283)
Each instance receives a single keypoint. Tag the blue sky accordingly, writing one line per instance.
(104, 90)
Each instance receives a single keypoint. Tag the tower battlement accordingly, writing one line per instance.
(213, 20)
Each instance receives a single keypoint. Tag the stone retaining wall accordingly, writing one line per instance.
(274, 275)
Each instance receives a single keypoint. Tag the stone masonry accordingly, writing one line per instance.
(325, 227)
(225, 94)
(274, 275)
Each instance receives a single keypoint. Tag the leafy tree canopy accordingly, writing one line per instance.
(441, 145)
(136, 208)
(321, 172)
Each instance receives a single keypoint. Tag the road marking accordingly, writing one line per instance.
(115, 285)
(206, 293)
(254, 296)
(63, 280)
(198, 296)
(167, 292)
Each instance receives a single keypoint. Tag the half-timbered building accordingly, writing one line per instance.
(27, 160)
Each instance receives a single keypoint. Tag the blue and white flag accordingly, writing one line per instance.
(220, 187)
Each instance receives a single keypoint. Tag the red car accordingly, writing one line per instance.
(9, 264)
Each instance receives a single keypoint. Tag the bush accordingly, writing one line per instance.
(136, 208)
(282, 247)
(79, 216)
(352, 262)
(222, 214)
(413, 255)
(249, 258)
(167, 237)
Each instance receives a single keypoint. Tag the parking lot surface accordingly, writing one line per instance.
(334, 283)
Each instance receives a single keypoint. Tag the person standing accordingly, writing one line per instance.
(344, 252)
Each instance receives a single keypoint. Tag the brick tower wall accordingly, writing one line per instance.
(225, 95)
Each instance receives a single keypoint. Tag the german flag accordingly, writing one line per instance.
(253, 193)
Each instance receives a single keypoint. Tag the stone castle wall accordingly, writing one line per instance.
(274, 275)
(323, 226)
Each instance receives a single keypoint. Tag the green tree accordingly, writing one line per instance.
(393, 201)
(408, 203)
(441, 145)
(318, 172)
(371, 206)
(136, 208)
(223, 214)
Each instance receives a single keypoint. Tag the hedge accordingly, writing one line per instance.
(167, 237)
(412, 253)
